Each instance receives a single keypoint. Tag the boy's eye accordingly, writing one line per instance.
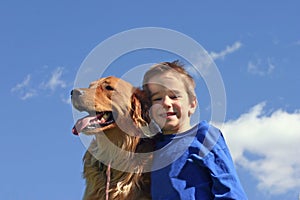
(174, 97)
(156, 99)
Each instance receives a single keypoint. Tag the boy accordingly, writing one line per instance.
(189, 162)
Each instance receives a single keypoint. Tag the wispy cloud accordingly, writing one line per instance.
(55, 80)
(34, 84)
(261, 67)
(204, 61)
(66, 99)
(29, 94)
(228, 50)
(23, 84)
(23, 89)
(268, 146)
(297, 42)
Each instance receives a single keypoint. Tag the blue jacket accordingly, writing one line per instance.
(195, 164)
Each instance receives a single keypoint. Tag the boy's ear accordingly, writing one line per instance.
(193, 106)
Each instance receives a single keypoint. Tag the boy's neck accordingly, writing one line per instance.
(177, 131)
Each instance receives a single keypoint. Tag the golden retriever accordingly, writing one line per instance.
(117, 116)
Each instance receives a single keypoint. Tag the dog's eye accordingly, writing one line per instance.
(108, 87)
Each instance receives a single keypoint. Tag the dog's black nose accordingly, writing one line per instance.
(77, 92)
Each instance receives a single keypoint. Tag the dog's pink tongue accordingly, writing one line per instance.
(81, 124)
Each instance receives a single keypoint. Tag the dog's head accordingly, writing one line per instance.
(110, 103)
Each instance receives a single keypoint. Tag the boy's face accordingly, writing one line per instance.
(171, 106)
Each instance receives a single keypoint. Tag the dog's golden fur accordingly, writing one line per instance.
(117, 142)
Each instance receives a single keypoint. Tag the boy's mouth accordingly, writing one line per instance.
(171, 113)
(168, 114)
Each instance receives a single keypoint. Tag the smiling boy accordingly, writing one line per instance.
(171, 106)
(190, 162)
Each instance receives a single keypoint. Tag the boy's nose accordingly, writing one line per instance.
(167, 101)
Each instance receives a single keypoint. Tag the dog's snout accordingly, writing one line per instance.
(77, 92)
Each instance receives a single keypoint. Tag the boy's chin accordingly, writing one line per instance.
(169, 129)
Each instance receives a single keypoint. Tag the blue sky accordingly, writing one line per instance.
(254, 44)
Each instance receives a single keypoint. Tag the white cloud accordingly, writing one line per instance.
(297, 42)
(28, 94)
(23, 84)
(228, 50)
(267, 146)
(34, 84)
(204, 60)
(260, 67)
(55, 80)
(66, 100)
(23, 89)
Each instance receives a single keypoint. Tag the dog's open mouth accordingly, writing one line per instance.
(91, 122)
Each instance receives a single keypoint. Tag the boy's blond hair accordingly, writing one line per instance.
(174, 67)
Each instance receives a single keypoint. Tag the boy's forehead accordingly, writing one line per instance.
(167, 78)
(166, 83)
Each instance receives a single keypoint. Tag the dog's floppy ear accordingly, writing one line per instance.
(140, 105)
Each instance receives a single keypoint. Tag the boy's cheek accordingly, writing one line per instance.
(156, 112)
